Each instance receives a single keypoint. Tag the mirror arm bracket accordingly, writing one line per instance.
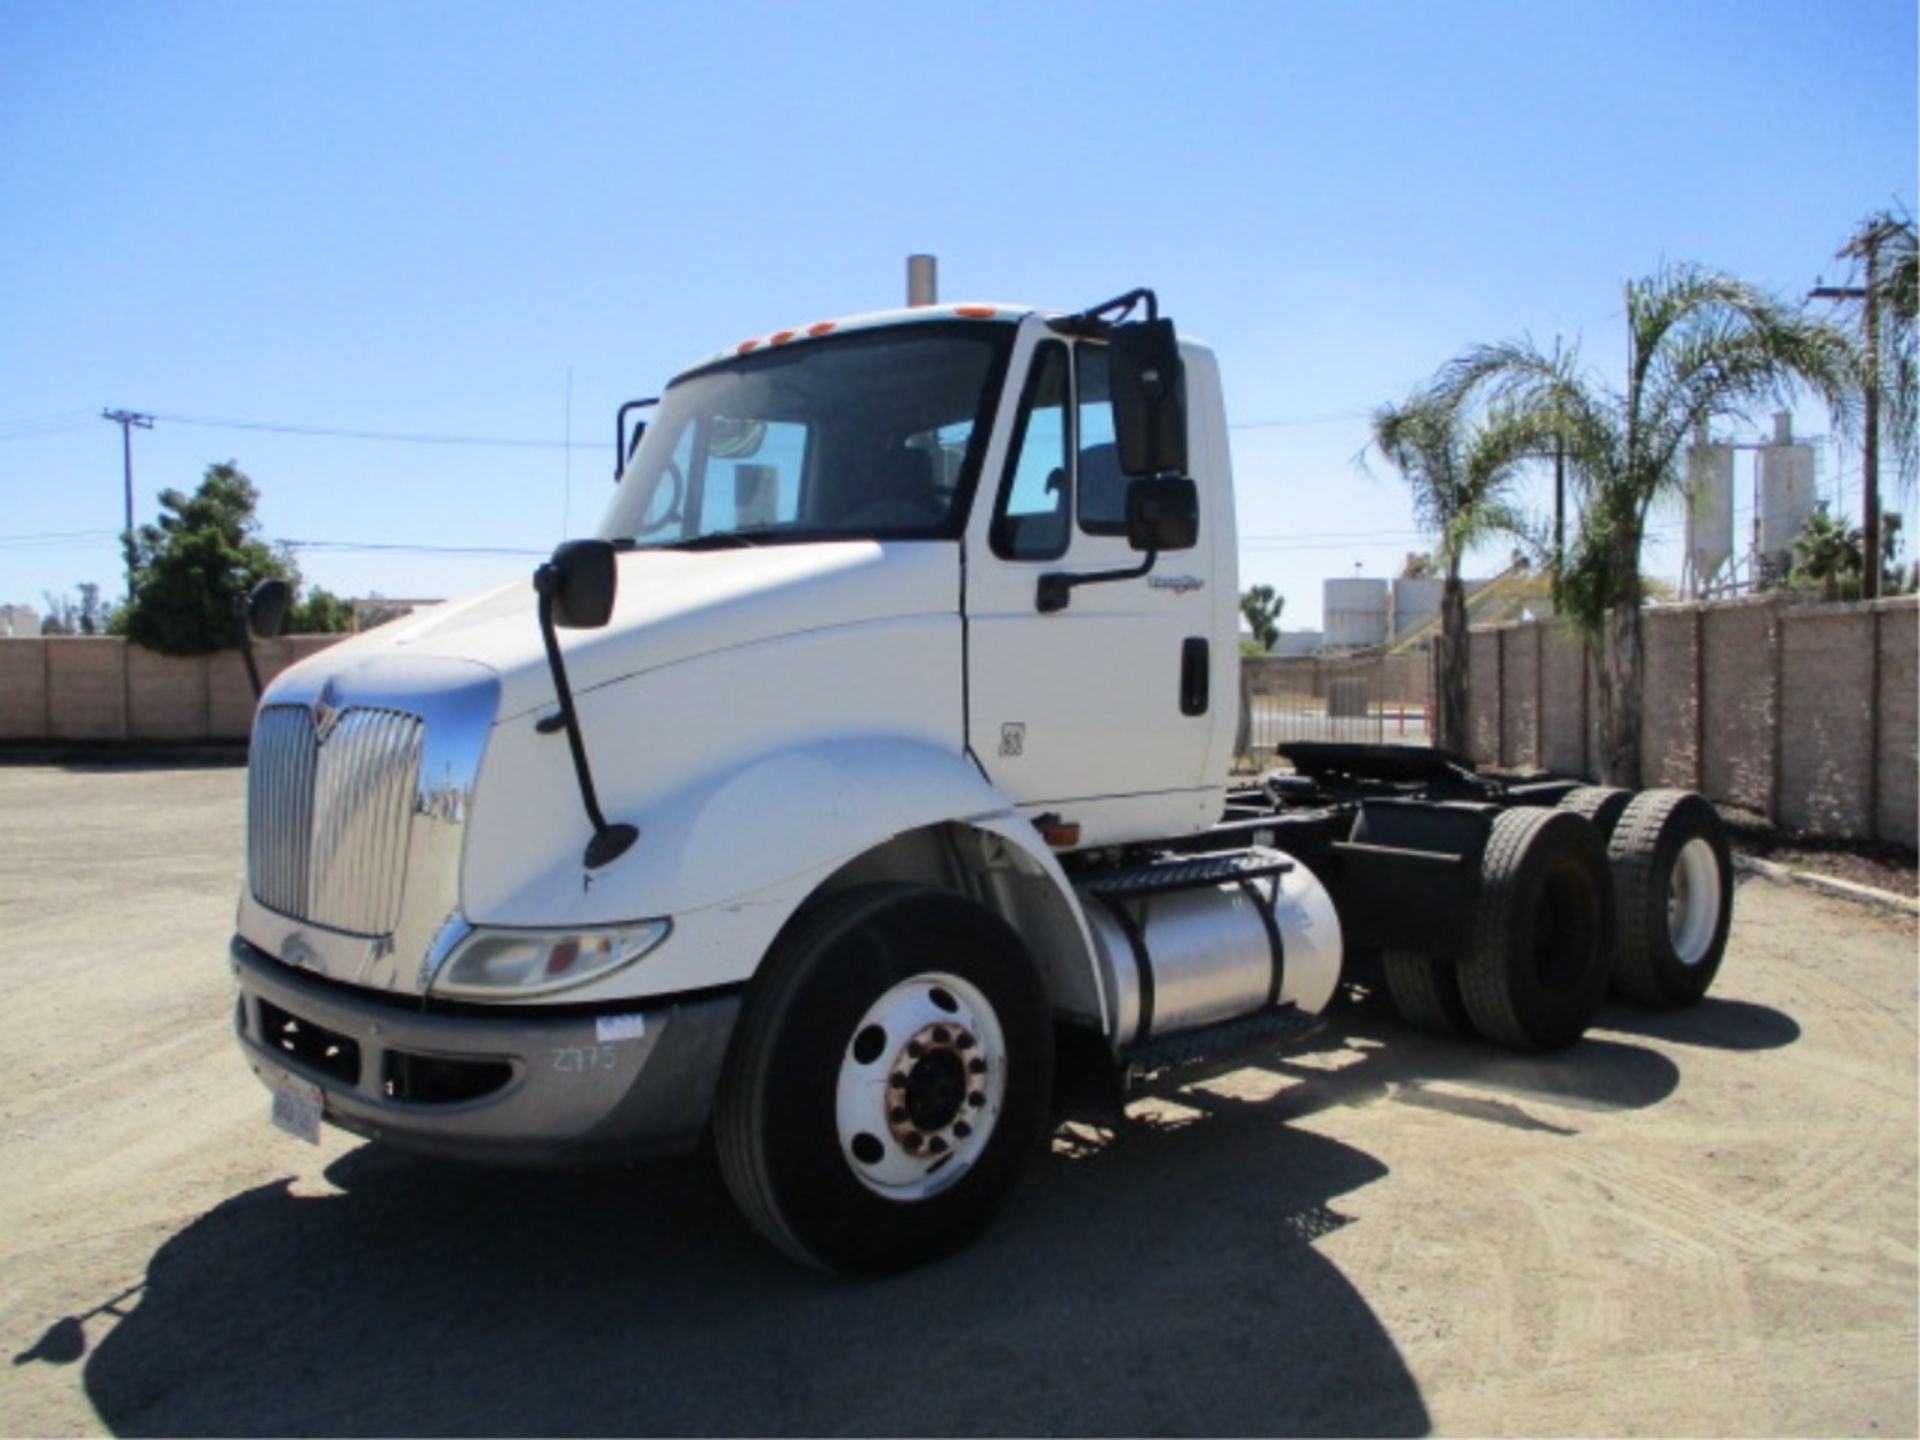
(1055, 591)
(609, 842)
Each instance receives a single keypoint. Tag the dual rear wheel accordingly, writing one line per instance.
(1610, 886)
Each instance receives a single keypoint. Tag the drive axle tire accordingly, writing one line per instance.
(1602, 804)
(1542, 939)
(1674, 875)
(888, 1078)
(1426, 992)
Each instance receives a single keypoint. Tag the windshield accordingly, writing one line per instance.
(874, 435)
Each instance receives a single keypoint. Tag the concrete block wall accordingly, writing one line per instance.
(1483, 696)
(1742, 704)
(1804, 713)
(1826, 720)
(95, 689)
(1563, 701)
(1898, 742)
(1520, 710)
(1670, 715)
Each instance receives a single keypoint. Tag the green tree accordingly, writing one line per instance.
(1260, 607)
(1700, 346)
(89, 615)
(1887, 262)
(188, 569)
(1462, 475)
(320, 612)
(1826, 553)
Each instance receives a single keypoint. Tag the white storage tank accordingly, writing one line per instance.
(1355, 612)
(1415, 602)
(1297, 642)
(1709, 512)
(1788, 496)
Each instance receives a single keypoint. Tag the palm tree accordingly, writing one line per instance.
(1884, 247)
(1827, 553)
(1700, 346)
(1462, 478)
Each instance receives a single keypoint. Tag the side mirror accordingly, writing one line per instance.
(267, 608)
(1163, 513)
(1149, 387)
(580, 579)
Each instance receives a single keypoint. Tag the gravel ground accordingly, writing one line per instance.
(1692, 1223)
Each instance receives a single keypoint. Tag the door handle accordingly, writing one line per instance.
(1196, 670)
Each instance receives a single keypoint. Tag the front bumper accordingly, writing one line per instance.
(521, 1087)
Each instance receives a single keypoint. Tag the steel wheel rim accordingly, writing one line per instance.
(1693, 901)
(921, 1084)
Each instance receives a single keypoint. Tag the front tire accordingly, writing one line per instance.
(888, 1079)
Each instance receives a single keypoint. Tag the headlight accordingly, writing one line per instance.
(515, 964)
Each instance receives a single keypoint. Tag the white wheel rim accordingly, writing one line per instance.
(1693, 901)
(920, 1088)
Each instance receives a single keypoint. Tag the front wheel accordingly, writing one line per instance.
(888, 1079)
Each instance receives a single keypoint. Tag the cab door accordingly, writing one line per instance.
(1103, 711)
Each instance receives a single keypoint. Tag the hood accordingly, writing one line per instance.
(671, 606)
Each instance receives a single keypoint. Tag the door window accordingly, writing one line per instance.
(1032, 519)
(1102, 486)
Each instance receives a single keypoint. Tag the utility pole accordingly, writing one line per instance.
(1867, 246)
(127, 420)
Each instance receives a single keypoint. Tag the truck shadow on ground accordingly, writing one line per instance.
(1165, 1282)
(1153, 1277)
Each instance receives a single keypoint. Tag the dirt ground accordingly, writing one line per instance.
(1693, 1223)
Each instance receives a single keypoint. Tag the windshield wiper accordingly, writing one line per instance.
(719, 539)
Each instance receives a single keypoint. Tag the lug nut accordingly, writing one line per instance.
(899, 1079)
(912, 1141)
(976, 1066)
(962, 1129)
(936, 1146)
(940, 1035)
(898, 1115)
(963, 1041)
(977, 1099)
(915, 1049)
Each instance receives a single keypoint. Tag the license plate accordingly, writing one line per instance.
(297, 1107)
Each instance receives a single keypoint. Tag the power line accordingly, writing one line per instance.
(404, 437)
(401, 547)
(1294, 420)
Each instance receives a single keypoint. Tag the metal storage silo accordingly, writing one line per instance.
(1415, 602)
(1787, 493)
(1709, 513)
(1355, 613)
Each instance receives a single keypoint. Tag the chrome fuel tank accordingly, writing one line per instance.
(1182, 959)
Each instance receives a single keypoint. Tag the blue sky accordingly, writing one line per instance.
(423, 217)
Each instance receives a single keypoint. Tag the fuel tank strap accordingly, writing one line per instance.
(1275, 945)
(1142, 963)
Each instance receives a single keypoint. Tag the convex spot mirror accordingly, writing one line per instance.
(267, 608)
(1163, 513)
(581, 580)
(1149, 388)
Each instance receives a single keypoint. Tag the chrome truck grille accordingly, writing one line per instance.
(329, 810)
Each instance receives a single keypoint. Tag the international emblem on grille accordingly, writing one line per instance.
(326, 712)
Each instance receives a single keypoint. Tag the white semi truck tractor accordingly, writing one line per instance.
(873, 760)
